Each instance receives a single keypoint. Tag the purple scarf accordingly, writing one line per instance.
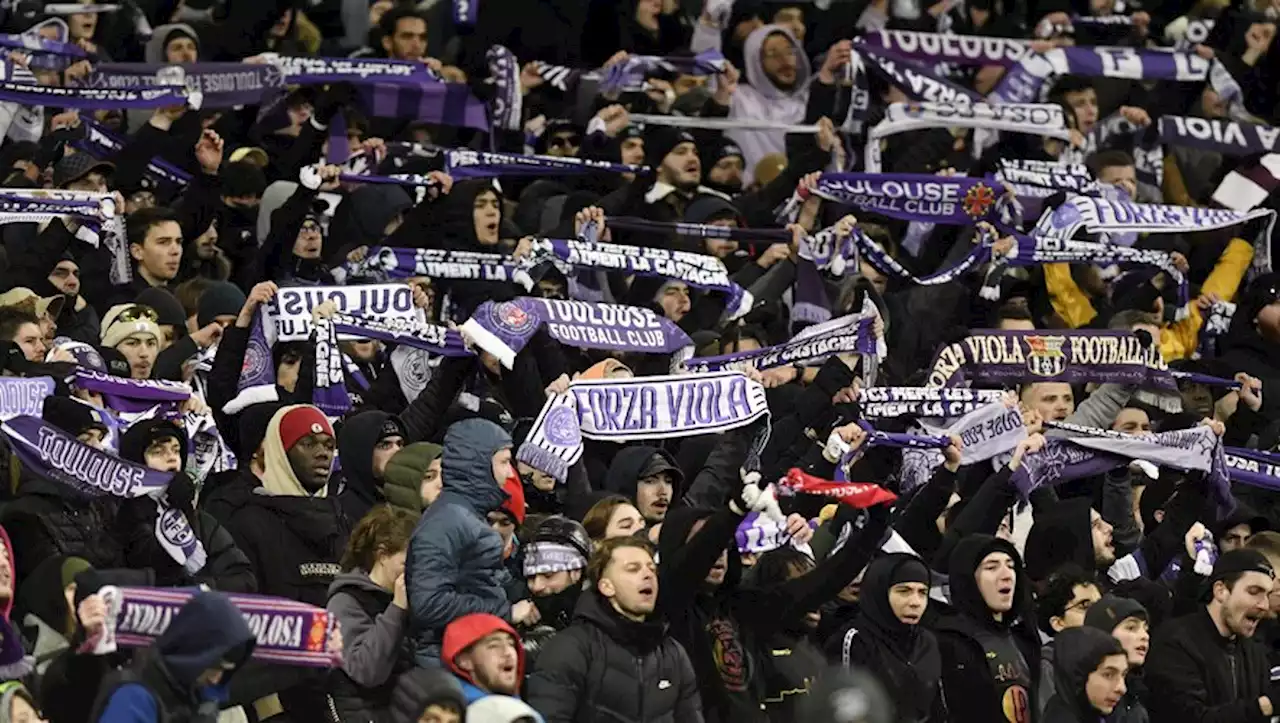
(466, 12)
(1253, 467)
(850, 334)
(958, 49)
(134, 396)
(21, 396)
(102, 143)
(222, 85)
(50, 453)
(1233, 138)
(700, 230)
(957, 200)
(32, 43)
(93, 98)
(387, 262)
(629, 75)
(917, 81)
(463, 163)
(435, 339)
(449, 104)
(503, 328)
(1075, 357)
(288, 632)
(329, 394)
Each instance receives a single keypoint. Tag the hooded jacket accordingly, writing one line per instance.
(454, 565)
(1078, 652)
(1061, 534)
(628, 465)
(49, 519)
(208, 632)
(467, 631)
(361, 489)
(376, 652)
(761, 99)
(988, 666)
(605, 667)
(904, 658)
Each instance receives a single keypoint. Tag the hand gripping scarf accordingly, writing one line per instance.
(1032, 118)
(220, 85)
(625, 410)
(50, 453)
(851, 334)
(288, 632)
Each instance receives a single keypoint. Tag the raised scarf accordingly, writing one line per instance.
(851, 334)
(1072, 356)
(1045, 119)
(221, 85)
(23, 396)
(1229, 137)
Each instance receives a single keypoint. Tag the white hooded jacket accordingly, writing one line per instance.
(760, 99)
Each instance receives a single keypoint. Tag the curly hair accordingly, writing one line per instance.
(384, 531)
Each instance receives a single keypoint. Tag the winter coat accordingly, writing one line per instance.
(760, 99)
(604, 667)
(356, 440)
(49, 519)
(1077, 654)
(226, 568)
(972, 642)
(1196, 675)
(454, 564)
(375, 651)
(904, 658)
(161, 684)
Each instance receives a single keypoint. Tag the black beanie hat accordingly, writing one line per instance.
(1112, 610)
(910, 571)
(220, 299)
(661, 140)
(168, 309)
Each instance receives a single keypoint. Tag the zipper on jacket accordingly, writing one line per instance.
(640, 687)
(333, 709)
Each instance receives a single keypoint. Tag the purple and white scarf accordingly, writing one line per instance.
(1073, 356)
(1041, 119)
(91, 211)
(257, 381)
(1026, 82)
(23, 396)
(937, 402)
(625, 410)
(986, 431)
(1230, 137)
(134, 396)
(465, 163)
(291, 307)
(700, 271)
(629, 75)
(432, 338)
(35, 43)
(695, 230)
(50, 453)
(92, 98)
(387, 262)
(503, 328)
(221, 85)
(916, 80)
(1109, 217)
(1095, 451)
(329, 394)
(850, 334)
(1253, 467)
(956, 200)
(948, 48)
(103, 144)
(287, 632)
(1033, 181)
(465, 12)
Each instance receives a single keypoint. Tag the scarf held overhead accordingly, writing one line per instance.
(1014, 357)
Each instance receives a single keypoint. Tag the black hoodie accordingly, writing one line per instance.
(904, 658)
(1078, 652)
(989, 666)
(361, 488)
(1062, 534)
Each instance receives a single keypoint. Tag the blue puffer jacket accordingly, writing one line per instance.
(454, 565)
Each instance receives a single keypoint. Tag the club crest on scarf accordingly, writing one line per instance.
(561, 427)
(979, 200)
(511, 318)
(1045, 357)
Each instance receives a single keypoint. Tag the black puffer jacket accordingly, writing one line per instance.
(604, 667)
(49, 519)
(293, 543)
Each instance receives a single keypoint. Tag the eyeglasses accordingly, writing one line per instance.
(138, 312)
(1083, 606)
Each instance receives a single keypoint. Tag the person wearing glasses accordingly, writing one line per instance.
(133, 330)
(1066, 598)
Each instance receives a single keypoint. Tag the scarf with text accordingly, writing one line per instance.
(134, 396)
(697, 230)
(91, 211)
(700, 271)
(1041, 119)
(852, 334)
(409, 332)
(33, 43)
(985, 432)
(939, 402)
(1026, 82)
(859, 495)
(1108, 217)
(291, 307)
(917, 81)
(948, 48)
(1095, 451)
(1014, 357)
(1032, 181)
(1229, 137)
(387, 262)
(329, 394)
(287, 632)
(21, 396)
(955, 200)
(625, 410)
(1253, 467)
(94, 98)
(221, 85)
(52, 454)
(465, 163)
(103, 144)
(502, 328)
(257, 381)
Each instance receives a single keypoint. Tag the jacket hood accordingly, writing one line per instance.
(206, 632)
(1077, 653)
(280, 480)
(42, 593)
(356, 440)
(629, 464)
(640, 638)
(1060, 535)
(675, 534)
(755, 66)
(466, 631)
(272, 199)
(355, 580)
(154, 50)
(874, 609)
(965, 596)
(363, 215)
(467, 463)
(457, 219)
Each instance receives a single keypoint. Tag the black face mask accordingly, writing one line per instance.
(537, 501)
(732, 189)
(556, 610)
(239, 217)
